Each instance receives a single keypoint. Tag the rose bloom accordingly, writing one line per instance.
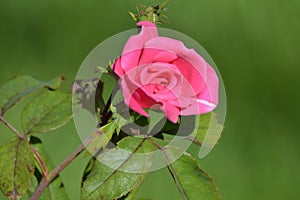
(161, 73)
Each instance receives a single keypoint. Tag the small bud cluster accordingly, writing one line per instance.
(152, 13)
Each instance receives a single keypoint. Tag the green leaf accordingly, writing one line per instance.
(56, 189)
(106, 183)
(16, 167)
(116, 109)
(48, 111)
(14, 90)
(163, 5)
(155, 120)
(88, 168)
(209, 127)
(132, 194)
(204, 130)
(133, 16)
(192, 182)
(98, 140)
(208, 133)
(123, 118)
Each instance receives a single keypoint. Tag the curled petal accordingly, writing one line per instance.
(170, 111)
(116, 67)
(135, 44)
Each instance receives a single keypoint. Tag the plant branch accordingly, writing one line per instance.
(41, 162)
(46, 180)
(106, 113)
(6, 123)
(53, 174)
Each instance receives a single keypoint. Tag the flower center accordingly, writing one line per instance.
(155, 88)
(157, 78)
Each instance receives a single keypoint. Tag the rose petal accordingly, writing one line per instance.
(156, 55)
(148, 73)
(170, 111)
(192, 66)
(159, 70)
(192, 109)
(135, 44)
(182, 102)
(197, 108)
(165, 56)
(208, 98)
(135, 98)
(116, 67)
(212, 83)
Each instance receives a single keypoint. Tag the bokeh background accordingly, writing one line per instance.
(255, 44)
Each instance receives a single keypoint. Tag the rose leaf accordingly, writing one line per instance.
(100, 138)
(14, 90)
(209, 130)
(16, 167)
(104, 182)
(192, 182)
(48, 111)
(56, 188)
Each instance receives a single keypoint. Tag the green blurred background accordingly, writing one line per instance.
(255, 44)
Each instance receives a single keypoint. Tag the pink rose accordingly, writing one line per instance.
(161, 73)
